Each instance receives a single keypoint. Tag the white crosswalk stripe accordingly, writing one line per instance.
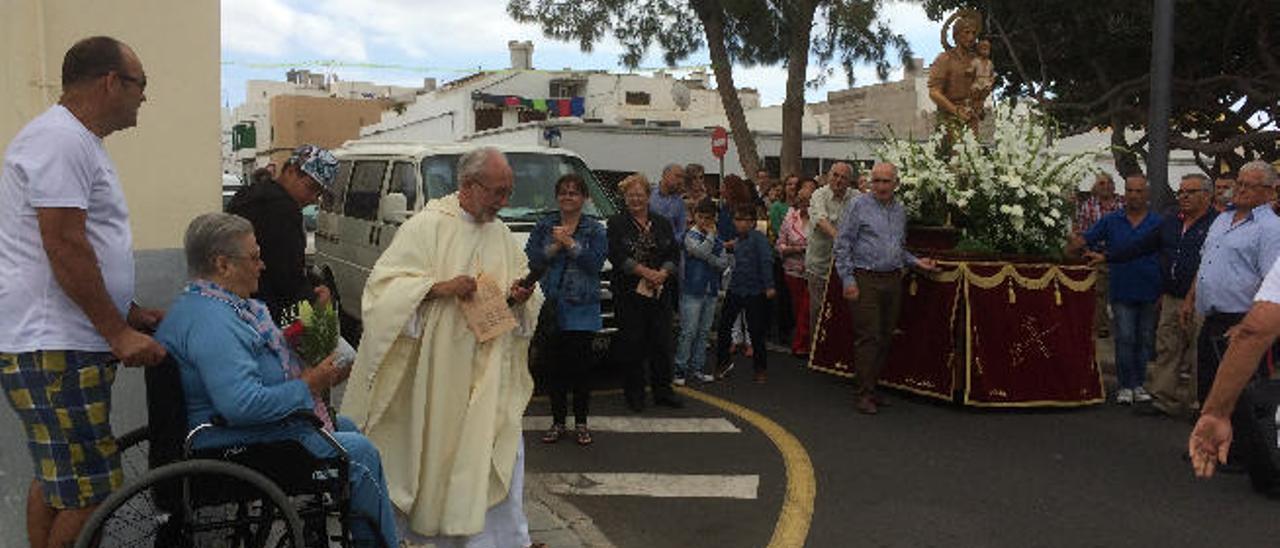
(743, 486)
(646, 425)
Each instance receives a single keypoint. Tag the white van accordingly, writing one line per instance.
(380, 184)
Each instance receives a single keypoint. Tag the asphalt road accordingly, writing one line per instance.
(923, 473)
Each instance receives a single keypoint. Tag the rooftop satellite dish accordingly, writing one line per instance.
(680, 94)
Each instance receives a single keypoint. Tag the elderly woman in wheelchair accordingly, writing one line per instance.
(239, 374)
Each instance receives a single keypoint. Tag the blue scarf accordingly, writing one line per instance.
(256, 314)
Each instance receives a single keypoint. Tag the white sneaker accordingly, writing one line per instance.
(678, 381)
(704, 377)
(1124, 396)
(1140, 395)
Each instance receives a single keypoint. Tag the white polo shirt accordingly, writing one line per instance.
(56, 162)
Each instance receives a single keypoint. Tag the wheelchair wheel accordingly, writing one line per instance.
(133, 447)
(258, 515)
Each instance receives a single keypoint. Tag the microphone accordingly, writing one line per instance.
(535, 273)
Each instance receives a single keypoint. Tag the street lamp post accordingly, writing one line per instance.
(1158, 114)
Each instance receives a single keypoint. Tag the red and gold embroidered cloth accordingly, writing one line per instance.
(981, 333)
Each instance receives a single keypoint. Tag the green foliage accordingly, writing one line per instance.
(756, 31)
(853, 34)
(671, 24)
(1088, 63)
(320, 332)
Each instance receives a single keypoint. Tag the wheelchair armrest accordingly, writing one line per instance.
(308, 416)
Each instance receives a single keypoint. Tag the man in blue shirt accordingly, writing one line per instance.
(1242, 245)
(869, 258)
(1178, 241)
(666, 200)
(1135, 286)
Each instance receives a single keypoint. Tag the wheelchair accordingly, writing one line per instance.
(248, 496)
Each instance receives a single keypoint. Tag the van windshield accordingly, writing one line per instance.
(534, 193)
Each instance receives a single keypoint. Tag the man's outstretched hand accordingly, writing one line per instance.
(1209, 444)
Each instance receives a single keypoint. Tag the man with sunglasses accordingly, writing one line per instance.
(67, 287)
(1178, 241)
(275, 209)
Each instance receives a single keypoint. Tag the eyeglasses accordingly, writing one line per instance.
(141, 82)
(1242, 185)
(1189, 191)
(496, 192)
(882, 180)
(252, 257)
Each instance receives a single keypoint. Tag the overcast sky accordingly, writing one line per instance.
(402, 41)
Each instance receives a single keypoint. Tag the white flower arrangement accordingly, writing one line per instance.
(1013, 196)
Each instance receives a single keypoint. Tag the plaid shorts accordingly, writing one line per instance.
(64, 401)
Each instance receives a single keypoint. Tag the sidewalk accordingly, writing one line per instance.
(553, 521)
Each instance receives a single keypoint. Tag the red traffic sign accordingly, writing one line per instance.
(719, 142)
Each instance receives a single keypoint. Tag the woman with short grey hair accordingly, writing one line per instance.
(235, 363)
(210, 236)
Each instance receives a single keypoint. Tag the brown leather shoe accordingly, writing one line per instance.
(866, 405)
(759, 377)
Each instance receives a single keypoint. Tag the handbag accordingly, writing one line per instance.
(549, 314)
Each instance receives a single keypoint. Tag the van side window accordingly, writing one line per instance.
(439, 175)
(340, 184)
(366, 190)
(405, 181)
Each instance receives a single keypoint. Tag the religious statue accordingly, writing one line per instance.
(962, 76)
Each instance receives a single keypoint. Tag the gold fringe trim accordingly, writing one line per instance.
(1054, 274)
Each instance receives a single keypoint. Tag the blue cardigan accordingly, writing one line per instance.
(227, 369)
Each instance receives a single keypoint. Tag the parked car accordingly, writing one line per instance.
(230, 185)
(380, 184)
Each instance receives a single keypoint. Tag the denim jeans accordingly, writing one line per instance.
(370, 502)
(1134, 327)
(696, 315)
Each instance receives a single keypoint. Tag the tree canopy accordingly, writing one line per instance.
(744, 32)
(1089, 63)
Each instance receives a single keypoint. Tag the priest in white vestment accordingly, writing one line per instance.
(443, 408)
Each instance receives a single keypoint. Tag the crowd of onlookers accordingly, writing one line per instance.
(1178, 285)
(753, 253)
(433, 432)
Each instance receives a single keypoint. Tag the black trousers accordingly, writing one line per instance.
(784, 316)
(569, 370)
(645, 337)
(756, 309)
(1210, 347)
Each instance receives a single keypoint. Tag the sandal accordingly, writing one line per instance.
(553, 434)
(584, 435)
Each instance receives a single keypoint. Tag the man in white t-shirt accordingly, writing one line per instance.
(1250, 339)
(66, 287)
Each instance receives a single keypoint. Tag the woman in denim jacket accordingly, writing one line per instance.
(572, 249)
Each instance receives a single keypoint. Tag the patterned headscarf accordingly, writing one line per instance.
(317, 163)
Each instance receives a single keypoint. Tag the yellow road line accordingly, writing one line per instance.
(797, 506)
